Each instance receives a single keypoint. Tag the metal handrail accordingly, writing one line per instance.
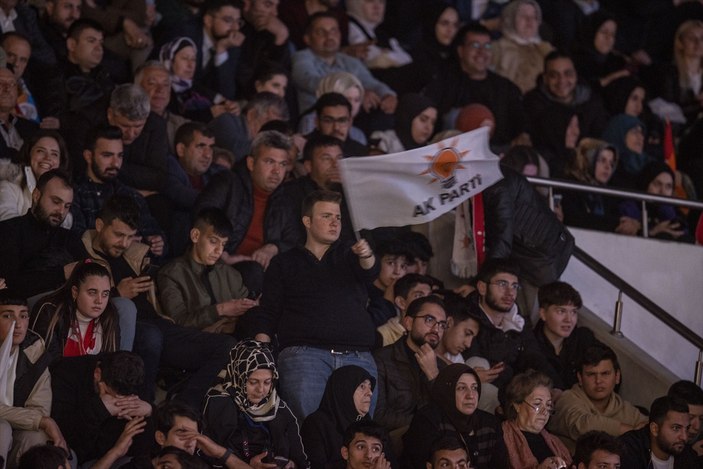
(608, 275)
(642, 196)
(638, 297)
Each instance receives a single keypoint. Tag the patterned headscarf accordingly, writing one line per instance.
(245, 358)
(166, 55)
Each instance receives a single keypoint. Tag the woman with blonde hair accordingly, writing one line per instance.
(684, 82)
(519, 54)
(347, 85)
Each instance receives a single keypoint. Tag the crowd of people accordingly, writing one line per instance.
(181, 284)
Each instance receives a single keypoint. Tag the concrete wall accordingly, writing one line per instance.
(670, 274)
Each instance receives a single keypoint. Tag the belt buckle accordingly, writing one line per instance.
(335, 352)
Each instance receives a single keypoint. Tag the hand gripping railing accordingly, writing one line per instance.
(618, 282)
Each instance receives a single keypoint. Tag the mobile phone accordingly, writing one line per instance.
(150, 270)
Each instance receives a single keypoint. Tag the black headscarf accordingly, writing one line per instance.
(650, 172)
(409, 107)
(618, 92)
(444, 394)
(338, 399)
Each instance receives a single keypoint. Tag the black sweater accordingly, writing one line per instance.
(34, 254)
(318, 303)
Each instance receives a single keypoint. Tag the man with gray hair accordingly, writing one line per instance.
(235, 133)
(145, 147)
(155, 78)
(250, 198)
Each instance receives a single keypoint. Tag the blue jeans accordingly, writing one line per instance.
(304, 372)
(127, 313)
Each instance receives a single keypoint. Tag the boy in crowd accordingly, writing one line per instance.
(556, 332)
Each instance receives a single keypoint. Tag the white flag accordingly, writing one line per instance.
(417, 186)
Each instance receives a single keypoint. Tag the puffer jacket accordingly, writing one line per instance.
(520, 226)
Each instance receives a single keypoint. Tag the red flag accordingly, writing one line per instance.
(669, 151)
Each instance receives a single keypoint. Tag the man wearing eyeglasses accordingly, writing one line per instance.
(504, 338)
(219, 43)
(333, 117)
(407, 368)
(470, 81)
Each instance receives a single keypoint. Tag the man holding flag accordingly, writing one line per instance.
(314, 300)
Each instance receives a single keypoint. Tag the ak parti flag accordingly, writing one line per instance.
(417, 186)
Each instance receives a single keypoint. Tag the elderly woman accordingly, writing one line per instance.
(453, 410)
(519, 54)
(189, 98)
(44, 151)
(528, 405)
(245, 414)
(347, 399)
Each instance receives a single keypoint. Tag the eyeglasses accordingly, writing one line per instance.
(334, 120)
(231, 20)
(479, 45)
(430, 321)
(504, 284)
(541, 408)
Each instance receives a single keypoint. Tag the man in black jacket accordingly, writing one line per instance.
(250, 198)
(35, 248)
(663, 441)
(521, 227)
(504, 339)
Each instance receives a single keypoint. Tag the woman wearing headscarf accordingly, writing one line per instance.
(555, 135)
(595, 57)
(415, 119)
(347, 399)
(519, 54)
(188, 98)
(440, 23)
(626, 95)
(528, 406)
(594, 164)
(245, 414)
(663, 220)
(453, 410)
(627, 134)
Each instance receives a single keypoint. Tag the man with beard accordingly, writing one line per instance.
(407, 368)
(103, 157)
(693, 395)
(662, 443)
(504, 339)
(159, 341)
(34, 248)
(59, 16)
